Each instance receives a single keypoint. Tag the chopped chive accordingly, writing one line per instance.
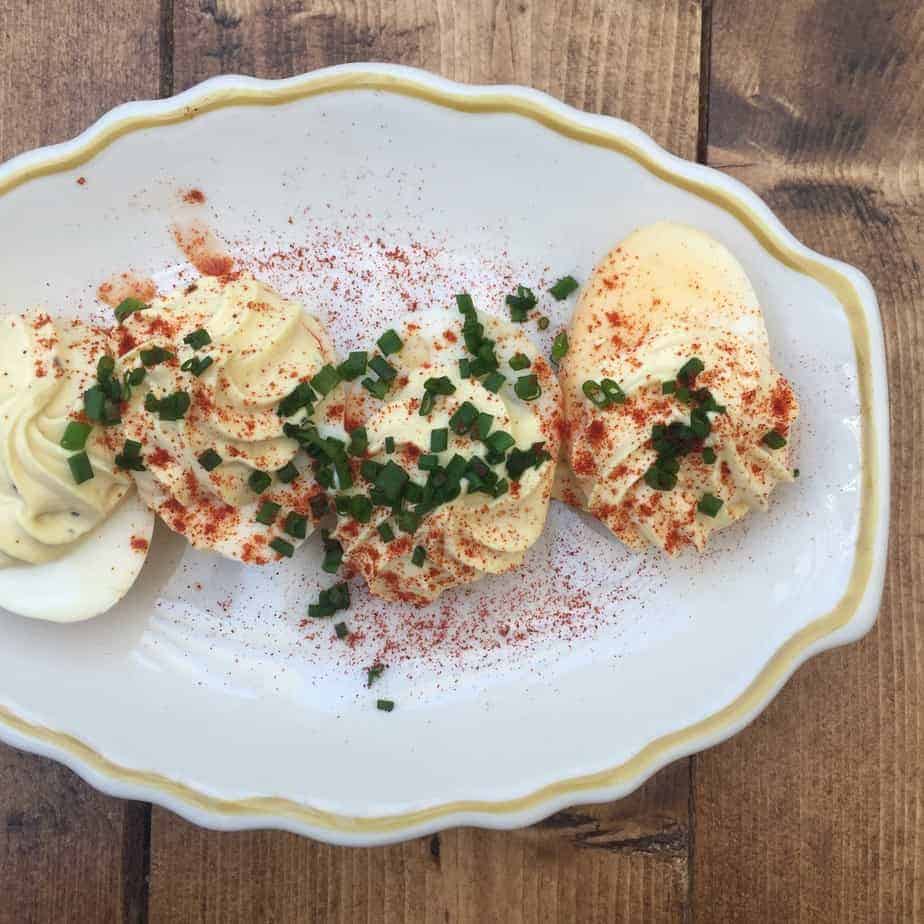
(464, 303)
(483, 425)
(326, 380)
(689, 370)
(709, 504)
(464, 368)
(301, 396)
(370, 469)
(319, 506)
(613, 391)
(542, 323)
(426, 404)
(198, 338)
(461, 421)
(361, 508)
(373, 673)
(684, 396)
(386, 532)
(668, 388)
(333, 555)
(296, 525)
(128, 306)
(210, 460)
(359, 442)
(382, 368)
(104, 368)
(259, 481)
(267, 513)
(94, 402)
(384, 705)
(564, 287)
(288, 473)
(527, 387)
(174, 406)
(391, 481)
(389, 343)
(439, 439)
(440, 386)
(389, 444)
(521, 303)
(136, 376)
(499, 442)
(500, 488)
(559, 347)
(130, 457)
(493, 381)
(353, 366)
(709, 455)
(774, 440)
(795, 473)
(155, 356)
(284, 548)
(75, 435)
(377, 388)
(428, 463)
(519, 361)
(344, 475)
(341, 630)
(419, 556)
(81, 469)
(197, 365)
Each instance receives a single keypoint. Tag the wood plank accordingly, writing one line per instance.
(66, 852)
(638, 59)
(622, 862)
(814, 813)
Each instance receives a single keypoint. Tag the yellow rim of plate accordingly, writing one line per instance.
(641, 765)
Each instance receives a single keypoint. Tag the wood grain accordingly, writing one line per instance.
(68, 853)
(638, 59)
(817, 811)
(623, 862)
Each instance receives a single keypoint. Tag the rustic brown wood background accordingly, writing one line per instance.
(816, 812)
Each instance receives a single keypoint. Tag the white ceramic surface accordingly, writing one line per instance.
(203, 690)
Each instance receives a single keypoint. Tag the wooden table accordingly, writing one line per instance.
(816, 812)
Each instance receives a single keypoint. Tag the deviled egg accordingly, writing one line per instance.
(679, 423)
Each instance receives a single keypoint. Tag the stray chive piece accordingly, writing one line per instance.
(376, 388)
(129, 458)
(259, 481)
(333, 554)
(155, 356)
(359, 442)
(81, 469)
(210, 460)
(128, 306)
(389, 444)
(326, 380)
(564, 287)
(493, 382)
(197, 365)
(330, 601)
(104, 368)
(341, 630)
(521, 304)
(542, 323)
(75, 435)
(709, 504)
(439, 439)
(383, 368)
(389, 343)
(419, 556)
(709, 455)
(353, 366)
(288, 473)
(386, 532)
(296, 525)
(267, 513)
(373, 673)
(559, 347)
(280, 546)
(668, 388)
(198, 339)
(527, 387)
(774, 440)
(385, 705)
(519, 361)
